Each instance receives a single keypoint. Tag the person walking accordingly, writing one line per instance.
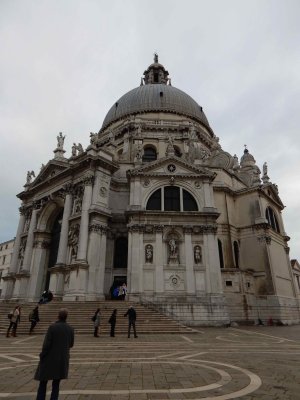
(96, 320)
(34, 319)
(112, 320)
(54, 358)
(131, 313)
(14, 321)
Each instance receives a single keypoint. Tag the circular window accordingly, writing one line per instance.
(171, 168)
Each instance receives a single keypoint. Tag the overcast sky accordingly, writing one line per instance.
(64, 63)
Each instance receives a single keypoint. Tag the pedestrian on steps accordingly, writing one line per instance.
(112, 321)
(34, 319)
(15, 319)
(131, 320)
(96, 320)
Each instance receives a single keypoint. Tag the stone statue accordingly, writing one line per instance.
(73, 238)
(93, 137)
(149, 253)
(60, 141)
(197, 254)
(74, 150)
(22, 252)
(192, 131)
(170, 151)
(173, 251)
(235, 162)
(172, 247)
(111, 137)
(139, 152)
(265, 169)
(80, 148)
(30, 175)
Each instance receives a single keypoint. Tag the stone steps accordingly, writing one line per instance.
(80, 313)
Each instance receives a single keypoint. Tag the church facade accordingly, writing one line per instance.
(156, 203)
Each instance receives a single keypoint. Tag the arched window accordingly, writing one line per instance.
(121, 253)
(236, 250)
(272, 219)
(221, 253)
(172, 198)
(149, 154)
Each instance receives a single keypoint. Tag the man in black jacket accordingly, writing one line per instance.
(54, 358)
(131, 320)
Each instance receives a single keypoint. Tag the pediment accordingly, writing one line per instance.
(49, 171)
(171, 166)
(271, 190)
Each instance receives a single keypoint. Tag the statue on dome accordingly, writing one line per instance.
(265, 168)
(156, 58)
(74, 150)
(60, 141)
(80, 148)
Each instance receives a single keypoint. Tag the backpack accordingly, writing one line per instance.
(93, 318)
(9, 315)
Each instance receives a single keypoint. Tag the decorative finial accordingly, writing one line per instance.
(155, 57)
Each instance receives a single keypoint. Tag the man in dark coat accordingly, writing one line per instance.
(54, 358)
(131, 320)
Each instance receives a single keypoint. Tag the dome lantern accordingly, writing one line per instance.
(156, 73)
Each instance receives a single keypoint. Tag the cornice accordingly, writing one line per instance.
(197, 229)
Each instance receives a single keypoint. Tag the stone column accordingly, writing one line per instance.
(63, 241)
(159, 260)
(38, 268)
(15, 256)
(213, 270)
(84, 223)
(96, 261)
(134, 250)
(189, 260)
(29, 242)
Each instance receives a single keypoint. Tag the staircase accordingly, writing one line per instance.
(80, 313)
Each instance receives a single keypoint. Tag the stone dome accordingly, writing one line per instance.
(155, 95)
(155, 98)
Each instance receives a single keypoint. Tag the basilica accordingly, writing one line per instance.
(155, 203)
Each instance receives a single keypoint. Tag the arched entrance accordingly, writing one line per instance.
(53, 249)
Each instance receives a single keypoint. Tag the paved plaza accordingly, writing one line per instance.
(224, 363)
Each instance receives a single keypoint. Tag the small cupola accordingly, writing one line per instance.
(156, 73)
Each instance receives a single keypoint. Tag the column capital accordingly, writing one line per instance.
(22, 210)
(188, 229)
(98, 228)
(159, 228)
(88, 180)
(68, 188)
(41, 244)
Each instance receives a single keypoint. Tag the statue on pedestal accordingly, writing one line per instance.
(60, 141)
(173, 251)
(149, 253)
(30, 175)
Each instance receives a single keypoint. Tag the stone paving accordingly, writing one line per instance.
(211, 363)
